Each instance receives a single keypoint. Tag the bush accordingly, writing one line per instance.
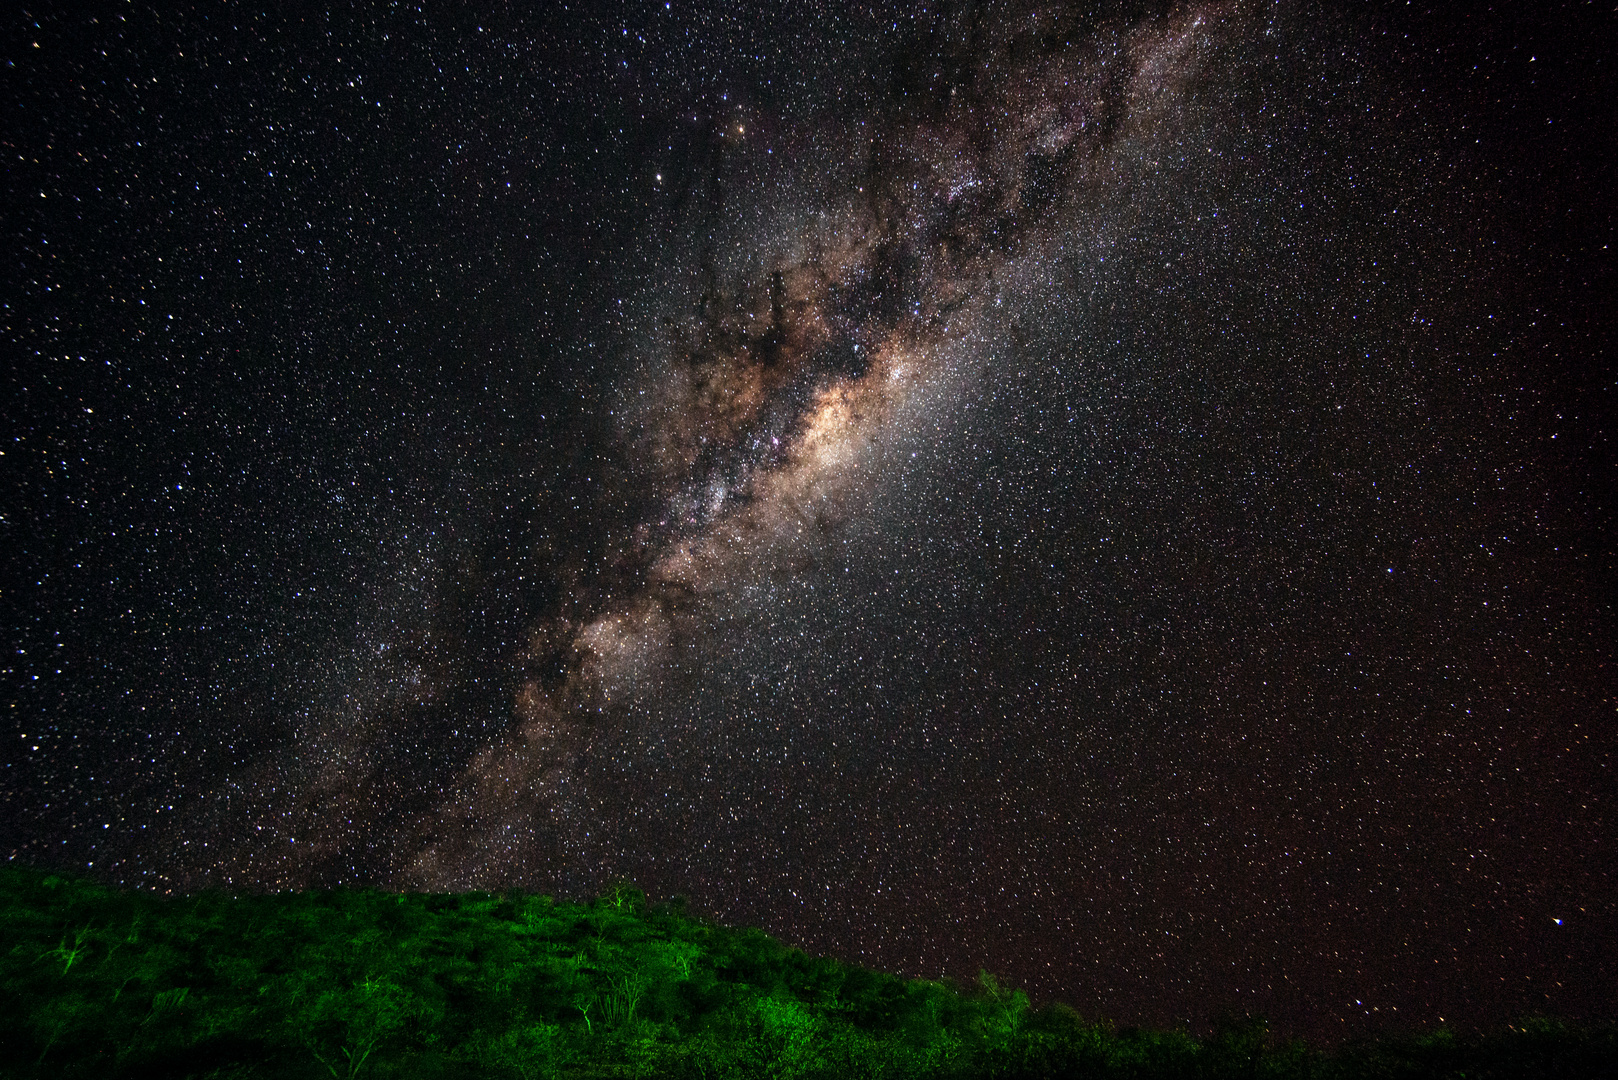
(352, 984)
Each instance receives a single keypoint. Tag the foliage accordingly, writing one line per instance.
(350, 985)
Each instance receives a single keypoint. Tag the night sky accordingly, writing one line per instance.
(1122, 497)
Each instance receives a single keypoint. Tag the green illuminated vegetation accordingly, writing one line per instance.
(100, 983)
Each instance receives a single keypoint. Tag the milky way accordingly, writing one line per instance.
(772, 414)
(1106, 496)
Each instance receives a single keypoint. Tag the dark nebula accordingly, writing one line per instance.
(1120, 497)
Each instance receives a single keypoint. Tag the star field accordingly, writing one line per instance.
(1120, 498)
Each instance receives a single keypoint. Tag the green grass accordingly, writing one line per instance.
(101, 983)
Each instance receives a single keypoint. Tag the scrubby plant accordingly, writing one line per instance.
(350, 985)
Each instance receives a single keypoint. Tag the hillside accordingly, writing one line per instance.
(102, 983)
